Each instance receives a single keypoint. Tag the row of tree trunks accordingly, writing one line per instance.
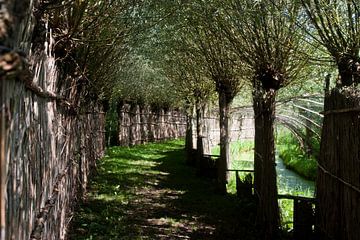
(338, 181)
(139, 124)
(264, 158)
(48, 144)
(203, 134)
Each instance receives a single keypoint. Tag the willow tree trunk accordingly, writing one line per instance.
(199, 137)
(189, 140)
(224, 161)
(338, 181)
(264, 163)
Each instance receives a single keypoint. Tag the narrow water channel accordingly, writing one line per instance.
(288, 181)
(292, 183)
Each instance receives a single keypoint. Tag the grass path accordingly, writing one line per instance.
(147, 192)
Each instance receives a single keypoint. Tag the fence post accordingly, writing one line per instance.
(238, 182)
(303, 219)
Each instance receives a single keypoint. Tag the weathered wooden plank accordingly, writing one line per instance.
(292, 197)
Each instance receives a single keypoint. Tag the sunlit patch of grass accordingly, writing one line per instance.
(286, 213)
(148, 192)
(120, 175)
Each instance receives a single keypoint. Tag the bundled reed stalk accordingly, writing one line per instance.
(338, 181)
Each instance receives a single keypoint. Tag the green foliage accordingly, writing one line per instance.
(139, 81)
(257, 30)
(336, 26)
(294, 157)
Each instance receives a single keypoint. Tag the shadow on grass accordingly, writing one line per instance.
(147, 192)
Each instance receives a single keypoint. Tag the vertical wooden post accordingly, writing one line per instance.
(237, 183)
(303, 219)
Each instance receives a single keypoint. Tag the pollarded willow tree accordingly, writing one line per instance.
(192, 26)
(185, 67)
(192, 84)
(225, 70)
(268, 40)
(169, 46)
(337, 27)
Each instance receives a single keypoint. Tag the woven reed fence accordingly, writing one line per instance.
(140, 124)
(338, 182)
(48, 144)
(241, 124)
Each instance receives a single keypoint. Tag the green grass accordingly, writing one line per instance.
(147, 192)
(294, 157)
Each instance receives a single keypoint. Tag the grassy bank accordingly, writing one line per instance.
(295, 158)
(147, 192)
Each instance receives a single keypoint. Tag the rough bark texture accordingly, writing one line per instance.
(338, 182)
(140, 124)
(264, 163)
(49, 144)
(224, 161)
